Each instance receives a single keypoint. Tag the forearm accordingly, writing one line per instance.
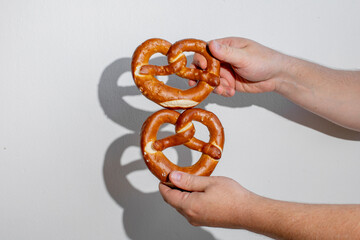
(286, 220)
(332, 94)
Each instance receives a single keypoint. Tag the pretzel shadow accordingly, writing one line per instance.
(270, 101)
(146, 215)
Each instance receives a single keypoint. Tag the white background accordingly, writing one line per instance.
(70, 165)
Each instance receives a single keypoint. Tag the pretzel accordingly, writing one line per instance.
(164, 95)
(152, 148)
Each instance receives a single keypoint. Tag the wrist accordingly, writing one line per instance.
(266, 216)
(285, 81)
(254, 213)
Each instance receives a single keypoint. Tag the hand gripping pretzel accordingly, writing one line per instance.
(167, 96)
(152, 148)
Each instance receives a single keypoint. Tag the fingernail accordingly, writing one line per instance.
(176, 176)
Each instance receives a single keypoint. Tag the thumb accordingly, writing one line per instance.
(189, 182)
(226, 53)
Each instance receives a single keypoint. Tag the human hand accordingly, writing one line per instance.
(246, 66)
(209, 201)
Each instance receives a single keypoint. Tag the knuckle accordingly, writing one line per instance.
(228, 50)
(219, 180)
(187, 180)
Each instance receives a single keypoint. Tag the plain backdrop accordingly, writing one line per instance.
(70, 164)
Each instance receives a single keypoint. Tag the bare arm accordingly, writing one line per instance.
(332, 94)
(248, 66)
(222, 202)
(288, 220)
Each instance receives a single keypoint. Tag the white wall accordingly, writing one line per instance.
(70, 165)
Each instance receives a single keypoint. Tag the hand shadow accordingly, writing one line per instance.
(286, 109)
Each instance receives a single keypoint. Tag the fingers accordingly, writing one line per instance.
(227, 81)
(227, 85)
(189, 182)
(226, 52)
(235, 42)
(174, 197)
(230, 51)
(199, 61)
(225, 91)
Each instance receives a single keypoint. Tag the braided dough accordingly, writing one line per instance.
(173, 98)
(167, 96)
(152, 148)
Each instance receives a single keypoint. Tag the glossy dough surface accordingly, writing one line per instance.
(162, 94)
(152, 148)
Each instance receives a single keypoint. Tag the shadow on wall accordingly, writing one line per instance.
(146, 215)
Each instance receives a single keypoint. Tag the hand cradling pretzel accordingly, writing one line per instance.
(173, 98)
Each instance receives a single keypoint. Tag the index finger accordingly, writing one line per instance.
(199, 61)
(236, 42)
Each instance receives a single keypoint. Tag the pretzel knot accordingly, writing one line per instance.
(167, 96)
(152, 148)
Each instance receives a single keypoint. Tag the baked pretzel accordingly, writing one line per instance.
(152, 148)
(167, 96)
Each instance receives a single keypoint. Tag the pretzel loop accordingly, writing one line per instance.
(167, 96)
(152, 148)
(212, 123)
(175, 56)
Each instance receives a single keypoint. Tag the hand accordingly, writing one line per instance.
(222, 202)
(208, 201)
(246, 66)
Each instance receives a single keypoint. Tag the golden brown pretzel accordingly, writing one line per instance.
(167, 96)
(152, 148)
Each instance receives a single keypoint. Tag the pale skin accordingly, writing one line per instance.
(250, 67)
